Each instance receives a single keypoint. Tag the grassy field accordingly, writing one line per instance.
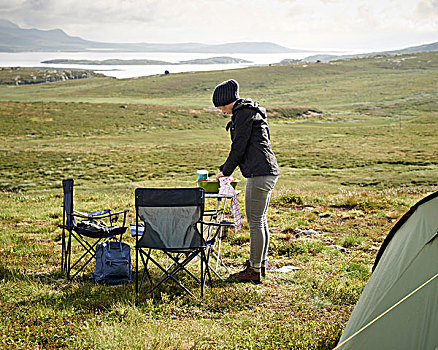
(356, 143)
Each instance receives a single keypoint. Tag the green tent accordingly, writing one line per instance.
(398, 308)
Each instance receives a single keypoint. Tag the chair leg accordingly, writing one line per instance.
(81, 268)
(63, 250)
(170, 275)
(210, 253)
(208, 268)
(203, 258)
(89, 249)
(176, 266)
(68, 256)
(181, 265)
(146, 265)
(145, 270)
(136, 270)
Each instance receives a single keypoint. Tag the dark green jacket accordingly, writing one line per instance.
(251, 146)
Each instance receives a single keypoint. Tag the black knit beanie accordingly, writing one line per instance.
(226, 93)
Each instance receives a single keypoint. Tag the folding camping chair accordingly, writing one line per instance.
(171, 222)
(79, 232)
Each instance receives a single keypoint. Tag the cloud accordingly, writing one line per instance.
(294, 23)
(428, 7)
(426, 14)
(49, 12)
(7, 5)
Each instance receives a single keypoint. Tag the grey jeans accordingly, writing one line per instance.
(257, 196)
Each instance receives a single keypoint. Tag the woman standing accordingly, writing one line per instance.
(251, 151)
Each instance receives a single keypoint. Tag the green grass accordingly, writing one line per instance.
(349, 169)
(393, 84)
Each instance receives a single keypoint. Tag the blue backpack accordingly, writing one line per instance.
(113, 262)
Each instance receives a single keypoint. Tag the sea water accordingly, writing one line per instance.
(34, 59)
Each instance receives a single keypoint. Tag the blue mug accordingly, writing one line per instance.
(202, 175)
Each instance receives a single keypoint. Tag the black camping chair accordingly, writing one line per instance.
(89, 227)
(170, 221)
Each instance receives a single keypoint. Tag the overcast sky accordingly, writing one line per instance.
(347, 24)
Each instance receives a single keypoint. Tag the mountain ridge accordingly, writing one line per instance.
(327, 58)
(16, 39)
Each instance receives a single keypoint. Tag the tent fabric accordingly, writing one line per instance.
(400, 223)
(398, 308)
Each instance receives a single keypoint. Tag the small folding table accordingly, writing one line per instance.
(217, 215)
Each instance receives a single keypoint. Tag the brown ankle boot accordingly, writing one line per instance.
(248, 275)
(262, 267)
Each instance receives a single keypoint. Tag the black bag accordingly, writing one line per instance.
(113, 262)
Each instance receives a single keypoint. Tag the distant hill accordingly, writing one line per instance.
(215, 60)
(16, 39)
(421, 48)
(328, 58)
(212, 60)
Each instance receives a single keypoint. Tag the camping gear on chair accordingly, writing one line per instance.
(91, 227)
(398, 306)
(172, 224)
(113, 262)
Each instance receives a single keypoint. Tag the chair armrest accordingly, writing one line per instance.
(209, 212)
(100, 213)
(120, 212)
(209, 223)
(220, 224)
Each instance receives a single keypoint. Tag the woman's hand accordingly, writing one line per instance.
(218, 175)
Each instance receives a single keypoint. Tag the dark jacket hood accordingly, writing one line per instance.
(248, 103)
